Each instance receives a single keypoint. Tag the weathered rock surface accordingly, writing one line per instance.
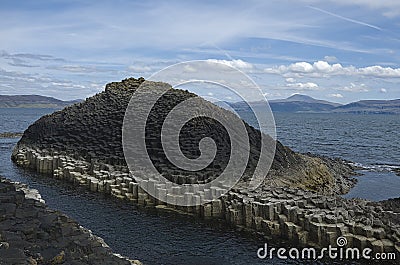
(31, 233)
(391, 205)
(298, 200)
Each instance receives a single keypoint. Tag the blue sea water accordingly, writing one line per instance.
(153, 237)
(156, 237)
(368, 140)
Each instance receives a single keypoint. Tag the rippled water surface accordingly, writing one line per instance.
(370, 140)
(154, 237)
(160, 237)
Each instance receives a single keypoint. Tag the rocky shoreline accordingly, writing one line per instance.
(302, 217)
(31, 233)
(298, 200)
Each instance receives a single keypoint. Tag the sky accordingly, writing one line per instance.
(336, 50)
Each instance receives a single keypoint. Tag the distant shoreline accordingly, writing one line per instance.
(294, 104)
(11, 134)
(33, 101)
(273, 111)
(305, 104)
(34, 107)
(340, 113)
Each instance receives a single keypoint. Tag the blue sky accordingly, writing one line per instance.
(334, 50)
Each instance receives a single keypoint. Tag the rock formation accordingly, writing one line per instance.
(30, 233)
(92, 130)
(297, 201)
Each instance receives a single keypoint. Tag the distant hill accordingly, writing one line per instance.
(295, 103)
(304, 99)
(371, 106)
(304, 103)
(33, 101)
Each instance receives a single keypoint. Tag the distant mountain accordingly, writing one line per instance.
(304, 99)
(304, 103)
(371, 106)
(33, 101)
(295, 103)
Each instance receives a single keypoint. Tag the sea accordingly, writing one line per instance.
(162, 237)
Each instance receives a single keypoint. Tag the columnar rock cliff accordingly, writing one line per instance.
(92, 130)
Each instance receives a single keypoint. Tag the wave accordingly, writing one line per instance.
(378, 167)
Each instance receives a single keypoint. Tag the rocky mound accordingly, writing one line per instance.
(92, 131)
(30, 233)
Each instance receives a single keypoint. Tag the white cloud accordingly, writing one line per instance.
(139, 69)
(234, 63)
(17, 83)
(304, 86)
(272, 95)
(354, 88)
(290, 80)
(330, 59)
(318, 68)
(301, 67)
(335, 95)
(78, 68)
(323, 69)
(379, 71)
(189, 69)
(383, 90)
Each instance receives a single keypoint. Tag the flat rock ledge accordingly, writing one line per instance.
(31, 233)
(299, 216)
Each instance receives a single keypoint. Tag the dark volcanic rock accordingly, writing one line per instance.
(391, 205)
(30, 233)
(92, 130)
